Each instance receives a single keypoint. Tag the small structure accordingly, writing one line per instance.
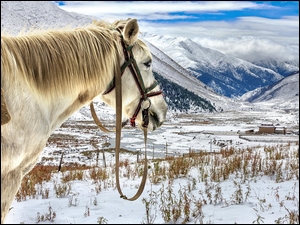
(269, 128)
(280, 130)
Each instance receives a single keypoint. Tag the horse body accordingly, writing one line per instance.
(47, 76)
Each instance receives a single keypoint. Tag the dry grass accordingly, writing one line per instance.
(279, 162)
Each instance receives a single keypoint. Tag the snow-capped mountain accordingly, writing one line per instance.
(284, 93)
(16, 15)
(173, 72)
(225, 74)
(283, 68)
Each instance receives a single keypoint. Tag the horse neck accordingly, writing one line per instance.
(62, 108)
(32, 111)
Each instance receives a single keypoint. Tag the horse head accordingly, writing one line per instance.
(142, 101)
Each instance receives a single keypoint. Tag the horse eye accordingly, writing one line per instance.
(148, 64)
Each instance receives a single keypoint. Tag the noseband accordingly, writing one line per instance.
(130, 62)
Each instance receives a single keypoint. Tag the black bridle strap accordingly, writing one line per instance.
(111, 85)
(132, 119)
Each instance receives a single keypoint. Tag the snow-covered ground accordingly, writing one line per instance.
(263, 198)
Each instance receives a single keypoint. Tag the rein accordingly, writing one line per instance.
(117, 84)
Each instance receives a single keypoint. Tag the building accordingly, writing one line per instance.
(280, 130)
(269, 128)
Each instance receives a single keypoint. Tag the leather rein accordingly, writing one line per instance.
(116, 83)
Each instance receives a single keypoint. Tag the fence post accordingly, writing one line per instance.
(166, 149)
(153, 153)
(97, 157)
(104, 161)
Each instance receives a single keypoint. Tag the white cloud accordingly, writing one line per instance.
(251, 48)
(121, 8)
(243, 38)
(281, 30)
(246, 37)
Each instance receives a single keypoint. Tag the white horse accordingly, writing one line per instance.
(48, 75)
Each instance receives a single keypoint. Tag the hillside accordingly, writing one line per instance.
(16, 16)
(226, 75)
(283, 94)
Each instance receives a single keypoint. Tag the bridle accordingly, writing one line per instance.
(130, 62)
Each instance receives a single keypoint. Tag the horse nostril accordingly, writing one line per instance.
(156, 119)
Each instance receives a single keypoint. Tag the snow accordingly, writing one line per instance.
(224, 69)
(264, 200)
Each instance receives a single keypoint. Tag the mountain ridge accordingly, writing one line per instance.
(287, 87)
(226, 75)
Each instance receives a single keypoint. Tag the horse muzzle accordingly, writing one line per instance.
(156, 118)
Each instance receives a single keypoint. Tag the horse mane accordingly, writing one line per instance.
(56, 61)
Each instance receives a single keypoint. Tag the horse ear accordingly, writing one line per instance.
(131, 32)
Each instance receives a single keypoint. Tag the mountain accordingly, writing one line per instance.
(283, 94)
(283, 68)
(226, 75)
(176, 76)
(17, 15)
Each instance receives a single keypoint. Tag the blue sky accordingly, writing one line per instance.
(222, 25)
